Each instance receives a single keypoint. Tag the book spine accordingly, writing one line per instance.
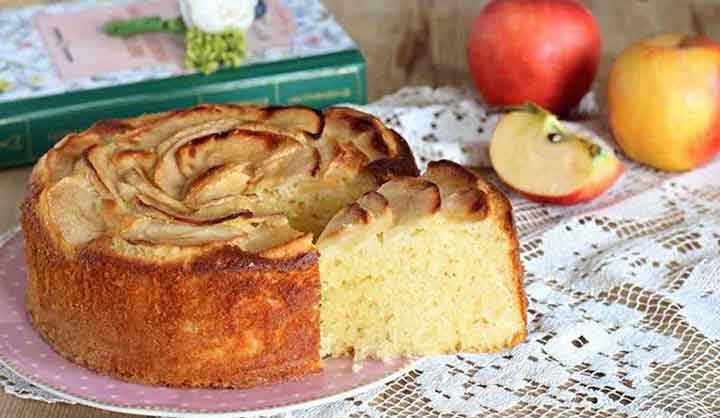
(24, 138)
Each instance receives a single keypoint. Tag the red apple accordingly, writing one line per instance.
(544, 51)
(536, 155)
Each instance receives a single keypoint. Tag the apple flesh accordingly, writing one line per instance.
(664, 101)
(544, 51)
(534, 154)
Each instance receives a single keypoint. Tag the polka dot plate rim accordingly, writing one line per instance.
(24, 351)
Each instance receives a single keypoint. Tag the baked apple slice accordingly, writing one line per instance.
(535, 154)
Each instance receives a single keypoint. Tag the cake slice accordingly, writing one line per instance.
(422, 266)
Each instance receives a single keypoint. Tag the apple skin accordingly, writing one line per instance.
(604, 176)
(544, 51)
(664, 101)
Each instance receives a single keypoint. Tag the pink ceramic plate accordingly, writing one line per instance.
(25, 352)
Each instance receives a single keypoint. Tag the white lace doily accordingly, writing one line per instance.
(624, 295)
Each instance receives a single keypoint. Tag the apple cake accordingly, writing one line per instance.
(180, 248)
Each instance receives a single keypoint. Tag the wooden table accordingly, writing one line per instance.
(412, 42)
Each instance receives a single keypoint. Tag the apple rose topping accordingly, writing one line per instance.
(215, 175)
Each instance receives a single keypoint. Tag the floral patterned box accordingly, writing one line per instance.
(59, 73)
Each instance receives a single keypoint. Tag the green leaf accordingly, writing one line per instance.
(139, 25)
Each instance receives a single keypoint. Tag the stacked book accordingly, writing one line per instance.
(59, 72)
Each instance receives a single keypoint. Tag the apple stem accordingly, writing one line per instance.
(687, 42)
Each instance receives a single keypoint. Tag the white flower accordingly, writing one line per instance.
(215, 16)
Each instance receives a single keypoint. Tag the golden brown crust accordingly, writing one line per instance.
(201, 324)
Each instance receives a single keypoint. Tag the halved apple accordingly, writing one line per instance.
(535, 154)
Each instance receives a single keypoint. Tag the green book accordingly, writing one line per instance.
(59, 73)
